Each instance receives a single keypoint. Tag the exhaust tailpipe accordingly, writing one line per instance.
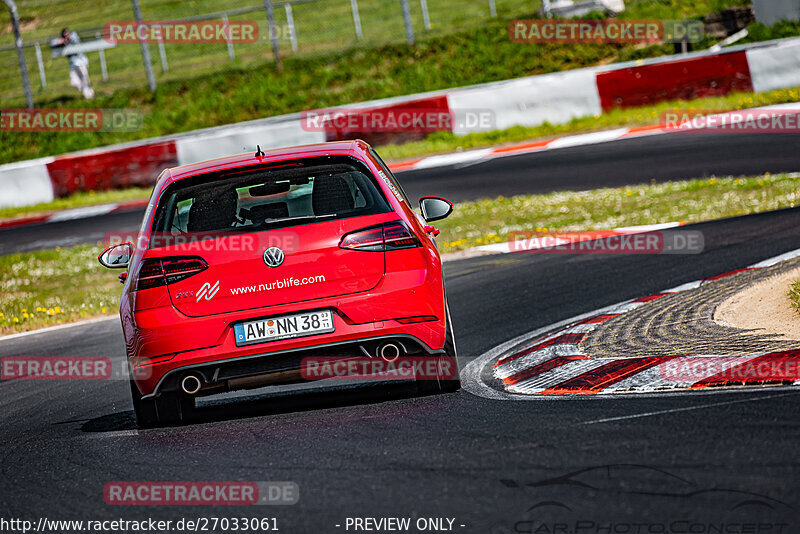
(389, 352)
(191, 384)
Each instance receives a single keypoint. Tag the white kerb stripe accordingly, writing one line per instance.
(535, 358)
(558, 375)
(82, 213)
(587, 139)
(659, 376)
(453, 159)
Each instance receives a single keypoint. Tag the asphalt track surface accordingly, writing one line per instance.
(680, 463)
(663, 157)
(689, 463)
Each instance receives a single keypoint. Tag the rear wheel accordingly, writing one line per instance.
(448, 379)
(145, 410)
(174, 408)
(167, 408)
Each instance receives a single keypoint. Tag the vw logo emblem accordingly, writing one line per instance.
(273, 256)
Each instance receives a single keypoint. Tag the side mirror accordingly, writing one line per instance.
(116, 257)
(435, 208)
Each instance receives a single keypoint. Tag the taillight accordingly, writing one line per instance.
(397, 235)
(390, 236)
(150, 275)
(177, 269)
(371, 239)
(156, 272)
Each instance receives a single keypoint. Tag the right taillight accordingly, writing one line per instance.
(156, 272)
(389, 236)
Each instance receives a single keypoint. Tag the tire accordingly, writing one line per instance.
(166, 409)
(174, 408)
(145, 410)
(448, 360)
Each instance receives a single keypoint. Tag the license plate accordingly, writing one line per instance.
(283, 327)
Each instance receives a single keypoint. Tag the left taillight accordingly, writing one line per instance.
(156, 272)
(390, 236)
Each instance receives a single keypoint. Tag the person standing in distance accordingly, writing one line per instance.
(78, 64)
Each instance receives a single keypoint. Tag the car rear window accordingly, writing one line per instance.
(262, 198)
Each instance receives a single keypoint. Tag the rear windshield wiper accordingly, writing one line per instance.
(300, 218)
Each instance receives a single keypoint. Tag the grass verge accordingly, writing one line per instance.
(49, 287)
(491, 221)
(56, 286)
(794, 295)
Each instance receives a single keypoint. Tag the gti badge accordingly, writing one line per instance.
(273, 256)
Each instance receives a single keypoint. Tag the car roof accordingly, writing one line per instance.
(355, 148)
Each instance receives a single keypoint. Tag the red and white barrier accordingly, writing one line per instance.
(370, 122)
(25, 183)
(137, 165)
(530, 101)
(555, 98)
(697, 77)
(775, 67)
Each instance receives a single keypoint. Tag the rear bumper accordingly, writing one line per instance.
(256, 370)
(162, 341)
(149, 372)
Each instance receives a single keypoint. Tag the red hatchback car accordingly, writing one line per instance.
(248, 266)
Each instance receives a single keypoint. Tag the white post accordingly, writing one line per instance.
(426, 19)
(290, 22)
(356, 18)
(103, 66)
(23, 66)
(546, 8)
(148, 65)
(162, 52)
(407, 22)
(231, 52)
(273, 34)
(492, 9)
(42, 75)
